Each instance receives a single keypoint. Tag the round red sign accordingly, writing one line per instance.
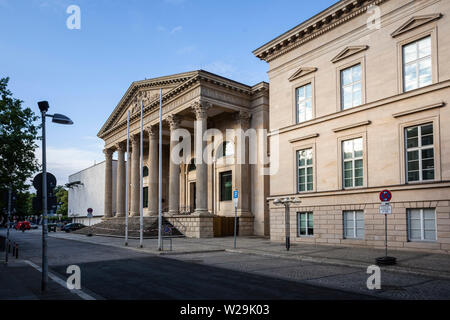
(385, 196)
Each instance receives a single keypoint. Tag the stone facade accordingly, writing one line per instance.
(315, 56)
(191, 191)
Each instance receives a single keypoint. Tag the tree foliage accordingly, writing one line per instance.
(18, 133)
(62, 196)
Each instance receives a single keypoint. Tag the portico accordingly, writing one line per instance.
(194, 190)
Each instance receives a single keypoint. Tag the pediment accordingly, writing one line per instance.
(303, 71)
(349, 51)
(415, 22)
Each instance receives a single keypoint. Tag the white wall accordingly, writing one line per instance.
(91, 193)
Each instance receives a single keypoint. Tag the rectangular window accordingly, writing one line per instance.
(417, 69)
(304, 170)
(353, 224)
(145, 197)
(353, 171)
(304, 103)
(226, 184)
(305, 224)
(419, 153)
(422, 225)
(351, 87)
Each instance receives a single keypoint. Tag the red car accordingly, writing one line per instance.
(23, 225)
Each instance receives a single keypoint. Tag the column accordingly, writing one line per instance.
(135, 183)
(108, 183)
(242, 176)
(174, 169)
(153, 135)
(120, 182)
(200, 108)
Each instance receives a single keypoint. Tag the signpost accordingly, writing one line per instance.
(235, 200)
(89, 215)
(385, 208)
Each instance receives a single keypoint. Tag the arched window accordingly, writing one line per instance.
(226, 149)
(145, 171)
(191, 166)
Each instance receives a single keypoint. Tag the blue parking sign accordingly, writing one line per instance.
(235, 194)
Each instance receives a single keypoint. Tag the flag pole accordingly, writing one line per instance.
(127, 179)
(160, 175)
(141, 184)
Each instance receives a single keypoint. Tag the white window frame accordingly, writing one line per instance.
(353, 160)
(307, 223)
(422, 226)
(354, 215)
(419, 150)
(306, 166)
(352, 84)
(297, 102)
(417, 63)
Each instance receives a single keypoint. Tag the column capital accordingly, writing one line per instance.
(152, 130)
(243, 118)
(120, 146)
(134, 138)
(200, 109)
(174, 121)
(108, 153)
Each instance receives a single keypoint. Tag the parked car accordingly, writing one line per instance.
(72, 227)
(25, 224)
(33, 226)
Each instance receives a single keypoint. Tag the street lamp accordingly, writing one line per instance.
(61, 119)
(287, 203)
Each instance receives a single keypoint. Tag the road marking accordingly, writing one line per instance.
(61, 282)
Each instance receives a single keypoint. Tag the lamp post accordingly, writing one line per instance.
(287, 203)
(61, 119)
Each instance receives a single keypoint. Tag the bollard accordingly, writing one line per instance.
(17, 251)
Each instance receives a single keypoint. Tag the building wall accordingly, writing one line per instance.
(380, 121)
(91, 194)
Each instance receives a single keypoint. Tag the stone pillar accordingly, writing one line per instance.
(153, 135)
(242, 175)
(108, 183)
(200, 109)
(174, 169)
(120, 182)
(135, 183)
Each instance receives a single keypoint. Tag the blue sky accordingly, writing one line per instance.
(84, 73)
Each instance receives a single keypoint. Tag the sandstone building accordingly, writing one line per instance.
(359, 107)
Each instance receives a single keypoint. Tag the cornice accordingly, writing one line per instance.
(318, 25)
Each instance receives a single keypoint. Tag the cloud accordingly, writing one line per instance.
(221, 68)
(172, 31)
(176, 29)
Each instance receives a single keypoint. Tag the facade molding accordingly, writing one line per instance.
(429, 107)
(416, 22)
(301, 72)
(349, 51)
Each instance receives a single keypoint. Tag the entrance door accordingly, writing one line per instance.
(192, 196)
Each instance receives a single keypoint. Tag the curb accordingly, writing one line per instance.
(419, 272)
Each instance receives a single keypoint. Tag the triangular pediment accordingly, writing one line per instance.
(415, 22)
(303, 71)
(349, 51)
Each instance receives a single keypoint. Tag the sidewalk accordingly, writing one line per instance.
(20, 281)
(420, 263)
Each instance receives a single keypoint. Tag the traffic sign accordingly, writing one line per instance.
(89, 211)
(385, 208)
(51, 182)
(385, 196)
(235, 197)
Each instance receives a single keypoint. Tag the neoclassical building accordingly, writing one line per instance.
(194, 193)
(359, 99)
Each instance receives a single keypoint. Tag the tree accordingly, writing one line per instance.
(18, 134)
(62, 197)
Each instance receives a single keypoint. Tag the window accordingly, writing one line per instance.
(421, 225)
(226, 184)
(145, 197)
(226, 149)
(192, 166)
(305, 223)
(353, 163)
(145, 171)
(351, 89)
(304, 170)
(353, 224)
(417, 69)
(304, 103)
(419, 153)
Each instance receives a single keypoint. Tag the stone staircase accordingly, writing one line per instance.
(116, 227)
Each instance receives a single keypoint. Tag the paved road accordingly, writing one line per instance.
(115, 273)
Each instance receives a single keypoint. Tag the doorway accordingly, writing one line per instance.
(192, 196)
